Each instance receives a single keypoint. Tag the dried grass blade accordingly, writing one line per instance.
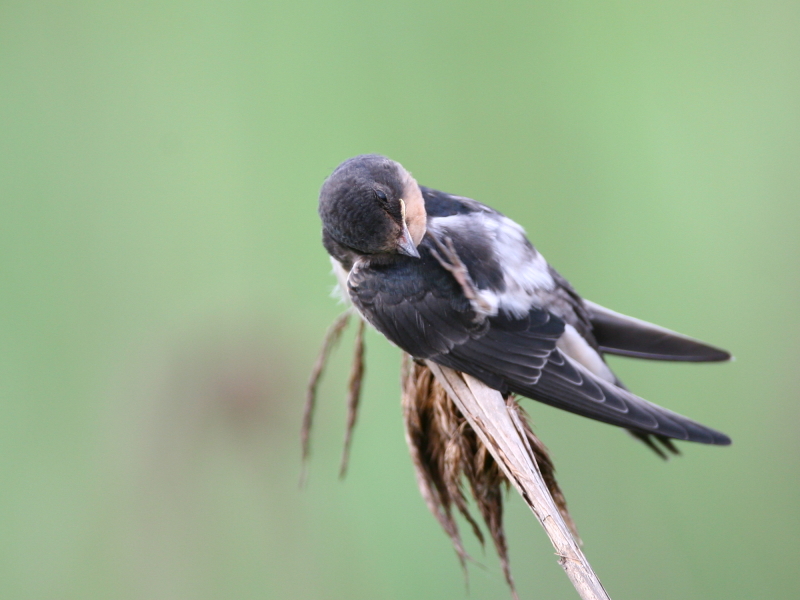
(354, 396)
(416, 389)
(331, 337)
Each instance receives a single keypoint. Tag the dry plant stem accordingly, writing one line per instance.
(354, 395)
(450, 460)
(331, 337)
(501, 431)
(432, 493)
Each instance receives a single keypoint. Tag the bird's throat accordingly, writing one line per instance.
(415, 216)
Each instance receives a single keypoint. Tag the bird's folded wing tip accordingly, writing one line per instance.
(723, 440)
(710, 436)
(721, 355)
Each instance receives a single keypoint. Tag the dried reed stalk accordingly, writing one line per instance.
(448, 454)
(459, 431)
(503, 433)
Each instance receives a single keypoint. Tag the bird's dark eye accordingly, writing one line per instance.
(381, 196)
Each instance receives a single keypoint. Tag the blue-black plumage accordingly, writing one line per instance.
(451, 280)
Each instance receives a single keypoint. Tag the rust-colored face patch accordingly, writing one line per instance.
(415, 215)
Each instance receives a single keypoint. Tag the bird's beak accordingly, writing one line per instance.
(405, 245)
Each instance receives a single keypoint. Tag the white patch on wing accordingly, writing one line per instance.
(525, 271)
(578, 349)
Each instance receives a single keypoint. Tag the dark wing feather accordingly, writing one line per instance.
(418, 305)
(620, 334)
(415, 303)
(567, 385)
(533, 340)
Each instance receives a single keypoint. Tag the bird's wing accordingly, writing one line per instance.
(417, 305)
(620, 334)
(564, 383)
(568, 385)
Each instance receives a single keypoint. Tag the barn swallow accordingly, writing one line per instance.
(453, 281)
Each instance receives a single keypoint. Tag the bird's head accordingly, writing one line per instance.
(374, 206)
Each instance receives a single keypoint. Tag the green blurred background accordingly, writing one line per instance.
(163, 291)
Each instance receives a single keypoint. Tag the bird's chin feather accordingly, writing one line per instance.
(340, 289)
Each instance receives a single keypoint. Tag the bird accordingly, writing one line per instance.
(450, 280)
